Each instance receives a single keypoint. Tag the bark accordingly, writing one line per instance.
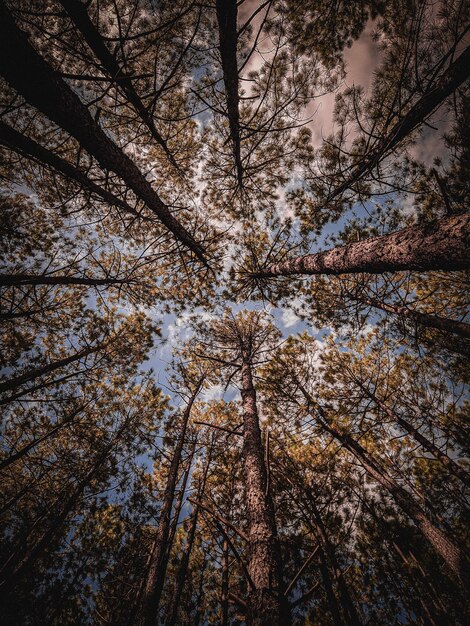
(28, 147)
(79, 15)
(32, 374)
(424, 319)
(227, 23)
(453, 467)
(41, 86)
(440, 245)
(451, 79)
(155, 579)
(200, 594)
(266, 603)
(16, 280)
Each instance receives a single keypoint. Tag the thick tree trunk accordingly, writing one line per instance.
(227, 23)
(440, 245)
(155, 579)
(452, 78)
(453, 467)
(79, 15)
(266, 603)
(424, 319)
(40, 85)
(27, 147)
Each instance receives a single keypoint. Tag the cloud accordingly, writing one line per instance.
(289, 318)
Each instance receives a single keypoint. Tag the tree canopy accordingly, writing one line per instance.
(234, 309)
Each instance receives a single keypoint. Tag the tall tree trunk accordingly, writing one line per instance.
(438, 539)
(329, 591)
(225, 585)
(181, 496)
(40, 85)
(424, 319)
(28, 147)
(200, 594)
(453, 467)
(30, 551)
(266, 603)
(79, 15)
(442, 544)
(184, 562)
(452, 78)
(227, 23)
(16, 456)
(37, 372)
(440, 245)
(16, 280)
(155, 579)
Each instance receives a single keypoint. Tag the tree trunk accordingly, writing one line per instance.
(225, 585)
(12, 458)
(29, 552)
(438, 539)
(16, 280)
(155, 579)
(453, 467)
(27, 147)
(184, 563)
(440, 245)
(424, 319)
(40, 85)
(16, 381)
(227, 23)
(452, 78)
(266, 603)
(78, 13)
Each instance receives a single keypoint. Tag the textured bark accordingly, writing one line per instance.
(440, 245)
(227, 23)
(424, 319)
(28, 147)
(452, 78)
(266, 603)
(155, 579)
(40, 85)
(16, 280)
(79, 16)
(453, 467)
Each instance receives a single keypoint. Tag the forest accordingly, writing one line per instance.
(234, 309)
